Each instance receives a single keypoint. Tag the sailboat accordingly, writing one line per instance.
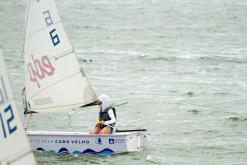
(14, 146)
(55, 81)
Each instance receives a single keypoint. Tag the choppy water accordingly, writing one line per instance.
(181, 65)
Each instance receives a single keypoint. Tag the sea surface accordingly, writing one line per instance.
(180, 64)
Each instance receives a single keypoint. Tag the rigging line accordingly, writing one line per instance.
(63, 54)
(46, 27)
(75, 111)
(28, 121)
(66, 105)
(53, 84)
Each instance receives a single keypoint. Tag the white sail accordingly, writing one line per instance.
(54, 79)
(14, 146)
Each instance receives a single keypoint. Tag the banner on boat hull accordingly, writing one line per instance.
(84, 143)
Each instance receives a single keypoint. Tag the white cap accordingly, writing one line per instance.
(105, 101)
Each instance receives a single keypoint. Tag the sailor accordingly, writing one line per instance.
(107, 117)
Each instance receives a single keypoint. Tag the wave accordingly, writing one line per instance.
(83, 60)
(109, 51)
(172, 58)
(39, 149)
(146, 56)
(105, 151)
(63, 150)
(228, 59)
(155, 59)
(195, 111)
(238, 119)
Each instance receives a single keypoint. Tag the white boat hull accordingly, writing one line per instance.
(83, 143)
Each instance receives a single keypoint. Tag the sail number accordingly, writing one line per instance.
(53, 35)
(6, 114)
(7, 118)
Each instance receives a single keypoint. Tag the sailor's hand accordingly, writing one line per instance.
(97, 122)
(102, 122)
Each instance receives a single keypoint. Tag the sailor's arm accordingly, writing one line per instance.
(112, 116)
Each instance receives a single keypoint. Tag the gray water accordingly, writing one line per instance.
(180, 64)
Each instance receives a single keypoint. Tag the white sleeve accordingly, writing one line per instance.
(112, 116)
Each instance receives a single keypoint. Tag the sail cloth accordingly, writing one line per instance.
(14, 146)
(54, 79)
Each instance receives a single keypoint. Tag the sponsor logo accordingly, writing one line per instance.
(98, 141)
(80, 141)
(72, 141)
(116, 141)
(34, 140)
(40, 68)
(60, 141)
(111, 141)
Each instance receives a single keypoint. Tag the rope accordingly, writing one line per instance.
(28, 121)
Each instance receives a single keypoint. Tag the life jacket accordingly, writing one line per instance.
(103, 115)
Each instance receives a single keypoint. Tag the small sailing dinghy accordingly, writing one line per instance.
(55, 81)
(14, 145)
